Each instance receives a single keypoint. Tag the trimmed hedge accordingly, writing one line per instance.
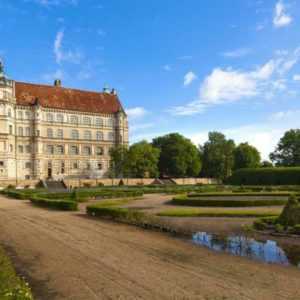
(240, 194)
(266, 176)
(186, 201)
(54, 204)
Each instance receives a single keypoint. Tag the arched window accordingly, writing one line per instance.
(99, 136)
(20, 131)
(74, 119)
(49, 117)
(74, 150)
(87, 150)
(75, 134)
(50, 149)
(60, 133)
(60, 118)
(99, 122)
(87, 121)
(87, 135)
(10, 129)
(50, 133)
(60, 149)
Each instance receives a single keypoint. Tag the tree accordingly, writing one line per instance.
(287, 152)
(246, 156)
(119, 162)
(143, 160)
(179, 157)
(217, 156)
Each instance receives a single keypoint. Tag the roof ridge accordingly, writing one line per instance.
(62, 87)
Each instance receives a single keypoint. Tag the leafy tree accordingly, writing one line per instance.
(287, 152)
(143, 160)
(217, 156)
(179, 157)
(246, 156)
(119, 162)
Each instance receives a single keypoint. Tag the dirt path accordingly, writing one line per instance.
(70, 256)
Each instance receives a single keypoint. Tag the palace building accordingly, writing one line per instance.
(57, 132)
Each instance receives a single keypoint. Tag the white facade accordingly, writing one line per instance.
(39, 143)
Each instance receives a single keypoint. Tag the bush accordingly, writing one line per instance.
(239, 194)
(266, 176)
(187, 201)
(296, 229)
(259, 225)
(290, 215)
(54, 204)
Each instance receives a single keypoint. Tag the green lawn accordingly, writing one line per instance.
(11, 286)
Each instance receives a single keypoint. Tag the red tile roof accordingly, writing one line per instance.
(66, 99)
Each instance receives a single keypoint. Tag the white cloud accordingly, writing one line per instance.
(296, 77)
(237, 53)
(230, 85)
(281, 18)
(189, 78)
(136, 112)
(285, 115)
(62, 55)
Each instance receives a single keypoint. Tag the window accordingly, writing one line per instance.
(74, 120)
(75, 165)
(99, 122)
(87, 150)
(99, 165)
(87, 135)
(20, 149)
(27, 115)
(50, 149)
(60, 133)
(1, 164)
(11, 148)
(75, 134)
(20, 131)
(74, 150)
(110, 122)
(87, 121)
(110, 136)
(99, 136)
(28, 148)
(37, 133)
(49, 117)
(20, 114)
(62, 167)
(60, 149)
(50, 133)
(28, 165)
(88, 166)
(60, 118)
(27, 131)
(99, 151)
(10, 129)
(9, 113)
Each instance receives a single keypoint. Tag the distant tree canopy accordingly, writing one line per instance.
(118, 162)
(287, 152)
(246, 156)
(266, 164)
(143, 160)
(179, 157)
(217, 156)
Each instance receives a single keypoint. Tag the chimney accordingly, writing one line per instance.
(114, 92)
(57, 82)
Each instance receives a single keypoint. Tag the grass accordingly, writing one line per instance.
(194, 212)
(12, 287)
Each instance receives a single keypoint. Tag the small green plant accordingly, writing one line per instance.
(259, 225)
(279, 228)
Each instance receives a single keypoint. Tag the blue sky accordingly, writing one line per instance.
(179, 66)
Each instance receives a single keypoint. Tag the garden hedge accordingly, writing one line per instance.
(54, 204)
(239, 194)
(266, 176)
(186, 201)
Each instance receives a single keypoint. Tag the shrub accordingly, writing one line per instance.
(259, 225)
(266, 176)
(54, 204)
(187, 201)
(290, 215)
(269, 220)
(279, 228)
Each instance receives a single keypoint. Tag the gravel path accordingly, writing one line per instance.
(70, 256)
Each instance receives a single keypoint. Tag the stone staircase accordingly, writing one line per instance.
(54, 185)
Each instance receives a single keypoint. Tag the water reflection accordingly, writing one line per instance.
(268, 251)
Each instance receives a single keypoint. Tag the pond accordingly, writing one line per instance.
(265, 251)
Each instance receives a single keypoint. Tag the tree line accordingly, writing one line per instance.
(173, 155)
